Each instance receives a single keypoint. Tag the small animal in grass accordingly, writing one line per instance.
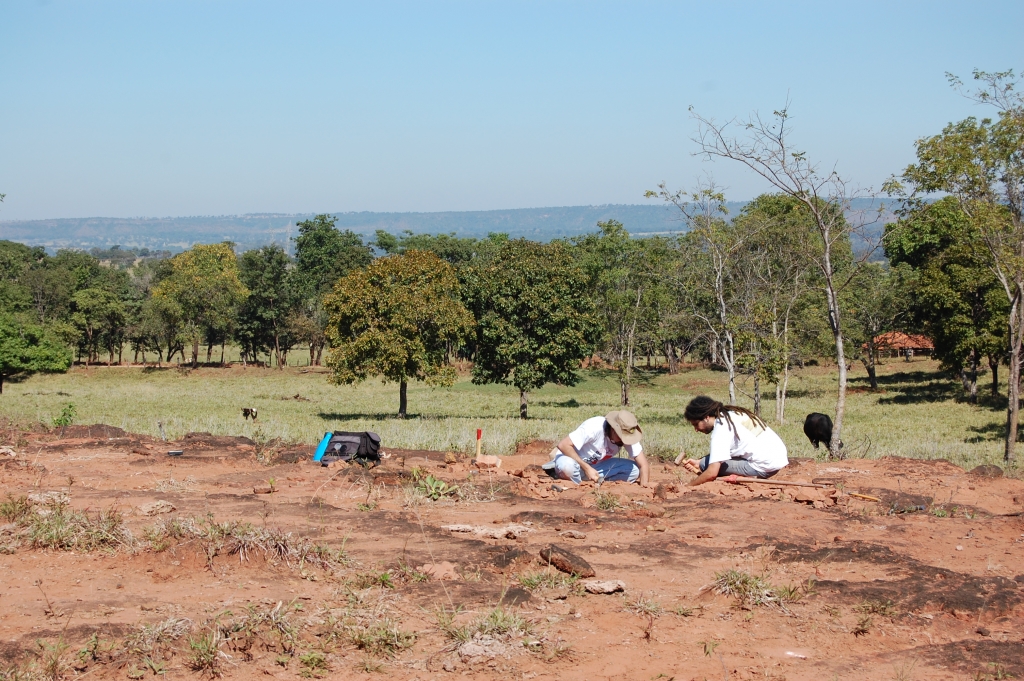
(818, 429)
(249, 412)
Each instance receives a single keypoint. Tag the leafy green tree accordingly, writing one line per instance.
(323, 254)
(981, 164)
(206, 290)
(878, 301)
(27, 348)
(956, 299)
(455, 250)
(263, 319)
(621, 283)
(400, 319)
(764, 147)
(97, 313)
(535, 320)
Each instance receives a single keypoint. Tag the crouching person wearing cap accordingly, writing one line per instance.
(589, 451)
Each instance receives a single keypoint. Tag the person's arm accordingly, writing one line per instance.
(709, 474)
(569, 449)
(645, 469)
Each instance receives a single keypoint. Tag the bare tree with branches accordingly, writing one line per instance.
(764, 147)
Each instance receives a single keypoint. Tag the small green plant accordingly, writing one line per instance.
(435, 489)
(502, 621)
(417, 473)
(547, 579)
(365, 580)
(682, 611)
(940, 512)
(383, 638)
(314, 664)
(270, 483)
(66, 417)
(15, 509)
(283, 660)
(445, 619)
(709, 646)
(52, 659)
(369, 506)
(864, 623)
(412, 574)
(204, 654)
(606, 501)
(644, 606)
(884, 608)
(746, 588)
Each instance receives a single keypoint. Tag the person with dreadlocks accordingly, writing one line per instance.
(741, 443)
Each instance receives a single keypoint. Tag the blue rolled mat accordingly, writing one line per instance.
(322, 448)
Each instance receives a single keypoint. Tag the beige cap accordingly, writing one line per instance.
(625, 424)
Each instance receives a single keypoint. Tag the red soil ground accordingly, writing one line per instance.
(943, 587)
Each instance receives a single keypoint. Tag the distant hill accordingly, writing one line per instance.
(253, 230)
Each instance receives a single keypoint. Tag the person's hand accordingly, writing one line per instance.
(590, 472)
(647, 484)
(692, 466)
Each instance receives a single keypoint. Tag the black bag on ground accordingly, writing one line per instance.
(361, 447)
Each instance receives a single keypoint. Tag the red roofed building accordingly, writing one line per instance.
(907, 344)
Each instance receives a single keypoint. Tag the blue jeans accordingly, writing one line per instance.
(736, 467)
(613, 469)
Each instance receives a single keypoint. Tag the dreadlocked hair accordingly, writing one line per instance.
(703, 406)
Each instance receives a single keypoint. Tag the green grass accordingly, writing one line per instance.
(916, 413)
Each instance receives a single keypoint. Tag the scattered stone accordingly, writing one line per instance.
(7, 451)
(573, 534)
(705, 535)
(157, 507)
(604, 587)
(983, 631)
(807, 496)
(511, 531)
(46, 498)
(566, 561)
(263, 489)
(449, 458)
(512, 556)
(487, 461)
(1019, 579)
(987, 471)
(838, 538)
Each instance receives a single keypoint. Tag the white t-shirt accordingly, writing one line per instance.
(765, 450)
(592, 445)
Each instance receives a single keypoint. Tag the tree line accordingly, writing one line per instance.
(796, 276)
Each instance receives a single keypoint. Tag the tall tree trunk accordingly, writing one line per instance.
(993, 364)
(729, 357)
(624, 393)
(869, 363)
(522, 404)
(757, 393)
(972, 378)
(834, 447)
(195, 353)
(277, 350)
(403, 398)
(222, 353)
(209, 352)
(670, 357)
(1013, 380)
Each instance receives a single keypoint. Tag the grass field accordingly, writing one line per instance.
(915, 413)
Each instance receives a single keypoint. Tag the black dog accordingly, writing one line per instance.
(818, 429)
(250, 412)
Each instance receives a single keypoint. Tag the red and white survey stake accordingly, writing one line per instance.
(479, 437)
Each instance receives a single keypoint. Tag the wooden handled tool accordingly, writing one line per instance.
(768, 481)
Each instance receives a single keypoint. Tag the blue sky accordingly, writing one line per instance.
(201, 108)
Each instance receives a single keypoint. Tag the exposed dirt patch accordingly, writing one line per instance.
(871, 585)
